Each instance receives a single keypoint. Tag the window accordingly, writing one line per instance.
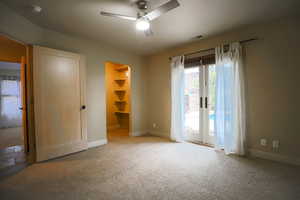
(10, 100)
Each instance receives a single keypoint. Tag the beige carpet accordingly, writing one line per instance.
(153, 168)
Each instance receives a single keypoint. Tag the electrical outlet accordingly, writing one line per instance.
(154, 125)
(275, 144)
(263, 142)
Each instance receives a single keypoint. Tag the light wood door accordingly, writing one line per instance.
(60, 120)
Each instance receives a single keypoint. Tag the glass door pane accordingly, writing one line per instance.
(209, 111)
(211, 98)
(192, 103)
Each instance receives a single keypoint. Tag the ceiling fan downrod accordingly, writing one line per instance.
(142, 4)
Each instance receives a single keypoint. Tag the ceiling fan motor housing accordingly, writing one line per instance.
(142, 4)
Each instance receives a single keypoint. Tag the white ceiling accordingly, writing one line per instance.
(181, 25)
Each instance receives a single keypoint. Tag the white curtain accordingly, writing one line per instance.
(10, 102)
(177, 99)
(230, 101)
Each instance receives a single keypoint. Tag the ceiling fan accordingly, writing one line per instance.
(143, 17)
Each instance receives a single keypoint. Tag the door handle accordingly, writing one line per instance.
(20, 108)
(206, 102)
(201, 103)
(83, 107)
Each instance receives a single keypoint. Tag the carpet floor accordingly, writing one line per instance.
(145, 168)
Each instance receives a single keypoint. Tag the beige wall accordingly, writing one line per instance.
(96, 54)
(271, 69)
(111, 120)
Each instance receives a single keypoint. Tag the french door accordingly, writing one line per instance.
(199, 94)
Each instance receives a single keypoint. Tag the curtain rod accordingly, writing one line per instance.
(210, 49)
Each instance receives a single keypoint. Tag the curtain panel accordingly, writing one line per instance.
(230, 100)
(177, 99)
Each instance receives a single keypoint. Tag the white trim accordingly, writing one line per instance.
(274, 157)
(97, 143)
(83, 112)
(160, 134)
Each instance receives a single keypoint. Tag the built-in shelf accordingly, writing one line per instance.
(120, 101)
(122, 68)
(120, 94)
(120, 82)
(121, 91)
(122, 112)
(121, 79)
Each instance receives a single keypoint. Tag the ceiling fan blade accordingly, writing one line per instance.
(170, 5)
(118, 16)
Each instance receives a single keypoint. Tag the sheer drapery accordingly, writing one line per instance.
(230, 101)
(10, 102)
(177, 99)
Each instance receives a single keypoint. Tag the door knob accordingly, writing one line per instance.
(201, 103)
(83, 107)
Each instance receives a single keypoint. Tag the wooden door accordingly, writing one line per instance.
(60, 118)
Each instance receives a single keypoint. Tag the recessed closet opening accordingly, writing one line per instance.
(118, 95)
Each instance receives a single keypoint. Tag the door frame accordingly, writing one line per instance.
(27, 99)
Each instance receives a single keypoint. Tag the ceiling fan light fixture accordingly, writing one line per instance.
(143, 17)
(142, 24)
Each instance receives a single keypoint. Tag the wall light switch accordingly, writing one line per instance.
(263, 142)
(275, 144)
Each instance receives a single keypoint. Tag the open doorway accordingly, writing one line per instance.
(118, 95)
(10, 105)
(13, 117)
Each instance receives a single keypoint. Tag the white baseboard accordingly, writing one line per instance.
(138, 133)
(274, 157)
(159, 134)
(97, 143)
